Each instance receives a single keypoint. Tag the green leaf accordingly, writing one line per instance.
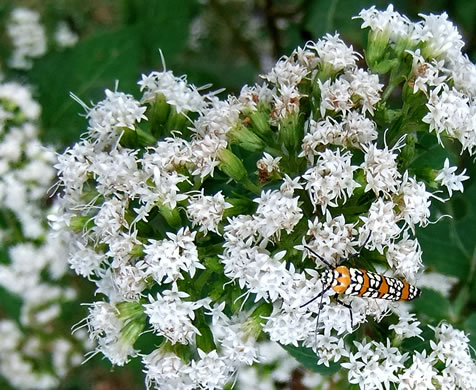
(449, 245)
(433, 304)
(309, 359)
(86, 70)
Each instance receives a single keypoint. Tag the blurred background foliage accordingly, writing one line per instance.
(227, 43)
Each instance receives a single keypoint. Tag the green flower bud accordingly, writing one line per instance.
(253, 324)
(176, 121)
(231, 165)
(291, 133)
(245, 138)
(130, 311)
(79, 223)
(377, 45)
(172, 216)
(137, 251)
(260, 124)
(132, 330)
(158, 114)
(137, 138)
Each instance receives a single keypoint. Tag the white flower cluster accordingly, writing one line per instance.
(276, 367)
(36, 265)
(29, 37)
(448, 365)
(168, 215)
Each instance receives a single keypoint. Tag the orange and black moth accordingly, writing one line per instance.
(366, 284)
(362, 283)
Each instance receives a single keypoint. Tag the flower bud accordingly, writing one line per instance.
(158, 114)
(291, 133)
(245, 138)
(231, 165)
(259, 120)
(79, 223)
(172, 216)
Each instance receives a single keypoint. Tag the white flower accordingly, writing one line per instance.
(425, 74)
(64, 36)
(329, 348)
(110, 220)
(276, 211)
(448, 178)
(108, 117)
(404, 257)
(256, 95)
(420, 375)
(336, 96)
(84, 260)
(10, 336)
(438, 282)
(365, 88)
(415, 208)
(286, 73)
(375, 365)
(450, 112)
(380, 224)
(207, 211)
(263, 275)
(239, 346)
(331, 239)
(177, 92)
(442, 39)
(21, 97)
(165, 260)
(355, 130)
(358, 129)
(380, 167)
(407, 325)
(452, 348)
(286, 103)
(170, 316)
(28, 37)
(268, 163)
(330, 179)
(211, 371)
(289, 327)
(334, 53)
(166, 370)
(388, 22)
(105, 326)
(463, 73)
(129, 282)
(220, 117)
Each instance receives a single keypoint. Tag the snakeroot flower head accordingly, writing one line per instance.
(207, 211)
(176, 91)
(108, 118)
(28, 37)
(209, 223)
(334, 53)
(380, 169)
(171, 316)
(386, 25)
(330, 179)
(451, 180)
